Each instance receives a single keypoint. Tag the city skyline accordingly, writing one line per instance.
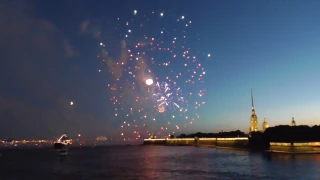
(50, 60)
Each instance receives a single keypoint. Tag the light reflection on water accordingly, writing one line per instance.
(157, 162)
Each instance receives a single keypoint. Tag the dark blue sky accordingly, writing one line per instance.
(47, 60)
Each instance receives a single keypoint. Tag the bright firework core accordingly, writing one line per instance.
(149, 82)
(167, 96)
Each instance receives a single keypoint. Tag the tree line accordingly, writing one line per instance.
(281, 133)
(285, 133)
(222, 134)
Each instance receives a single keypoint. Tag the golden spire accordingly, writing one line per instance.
(252, 99)
(252, 104)
(253, 119)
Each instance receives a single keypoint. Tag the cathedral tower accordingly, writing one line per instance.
(265, 125)
(253, 119)
(293, 122)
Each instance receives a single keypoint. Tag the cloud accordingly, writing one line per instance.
(69, 51)
(32, 49)
(33, 54)
(84, 26)
(19, 26)
(91, 27)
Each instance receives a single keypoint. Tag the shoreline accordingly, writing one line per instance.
(240, 143)
(289, 152)
(193, 145)
(243, 149)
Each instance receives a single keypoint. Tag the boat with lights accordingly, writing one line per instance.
(62, 142)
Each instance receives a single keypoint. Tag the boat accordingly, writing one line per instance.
(62, 142)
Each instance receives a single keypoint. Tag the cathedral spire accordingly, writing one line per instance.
(252, 99)
(253, 118)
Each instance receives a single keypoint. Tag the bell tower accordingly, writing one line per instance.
(253, 119)
(265, 125)
(293, 122)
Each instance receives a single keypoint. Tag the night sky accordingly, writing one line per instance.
(51, 56)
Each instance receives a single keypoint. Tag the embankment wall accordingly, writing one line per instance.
(295, 147)
(239, 142)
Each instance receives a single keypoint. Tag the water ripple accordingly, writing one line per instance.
(156, 162)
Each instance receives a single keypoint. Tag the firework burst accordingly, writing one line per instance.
(158, 78)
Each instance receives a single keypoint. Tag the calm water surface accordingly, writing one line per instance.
(156, 162)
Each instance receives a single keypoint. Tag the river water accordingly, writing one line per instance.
(156, 162)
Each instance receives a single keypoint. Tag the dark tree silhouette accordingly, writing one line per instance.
(285, 133)
(230, 134)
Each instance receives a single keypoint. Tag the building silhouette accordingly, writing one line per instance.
(253, 119)
(265, 125)
(293, 123)
(153, 136)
